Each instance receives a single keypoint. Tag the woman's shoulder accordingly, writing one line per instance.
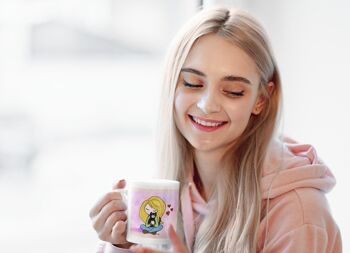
(299, 207)
(301, 216)
(294, 185)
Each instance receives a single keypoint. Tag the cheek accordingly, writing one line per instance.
(240, 114)
(177, 104)
(182, 103)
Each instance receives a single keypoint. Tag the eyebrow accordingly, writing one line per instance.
(225, 78)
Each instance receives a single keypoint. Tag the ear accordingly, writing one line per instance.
(260, 101)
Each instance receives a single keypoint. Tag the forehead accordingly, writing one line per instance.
(216, 56)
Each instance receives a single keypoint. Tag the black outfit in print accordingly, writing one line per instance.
(152, 220)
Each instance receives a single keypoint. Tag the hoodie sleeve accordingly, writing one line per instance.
(105, 247)
(305, 239)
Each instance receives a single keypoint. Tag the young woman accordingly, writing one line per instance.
(243, 188)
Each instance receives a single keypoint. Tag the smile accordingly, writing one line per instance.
(206, 124)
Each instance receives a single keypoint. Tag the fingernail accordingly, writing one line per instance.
(121, 181)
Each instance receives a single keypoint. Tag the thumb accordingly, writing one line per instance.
(119, 184)
(176, 242)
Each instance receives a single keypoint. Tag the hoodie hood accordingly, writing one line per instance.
(289, 165)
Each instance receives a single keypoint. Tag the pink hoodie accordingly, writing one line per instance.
(298, 220)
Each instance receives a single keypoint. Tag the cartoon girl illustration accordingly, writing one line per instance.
(151, 212)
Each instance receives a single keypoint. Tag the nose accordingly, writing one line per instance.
(208, 103)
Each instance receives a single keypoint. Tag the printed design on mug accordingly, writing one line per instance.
(151, 212)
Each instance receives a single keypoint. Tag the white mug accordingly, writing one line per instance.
(152, 205)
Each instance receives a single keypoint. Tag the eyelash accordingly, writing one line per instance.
(192, 85)
(232, 94)
(235, 94)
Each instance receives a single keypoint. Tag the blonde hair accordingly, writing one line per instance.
(156, 203)
(234, 225)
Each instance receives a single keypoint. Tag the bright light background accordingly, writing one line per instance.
(79, 86)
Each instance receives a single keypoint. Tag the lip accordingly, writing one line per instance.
(205, 128)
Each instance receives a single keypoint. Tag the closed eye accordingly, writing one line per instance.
(190, 85)
(235, 94)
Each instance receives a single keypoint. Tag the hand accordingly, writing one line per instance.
(108, 217)
(178, 246)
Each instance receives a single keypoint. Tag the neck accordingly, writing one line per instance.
(207, 166)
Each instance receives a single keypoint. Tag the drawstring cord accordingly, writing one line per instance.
(268, 200)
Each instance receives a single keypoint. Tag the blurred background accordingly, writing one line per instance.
(79, 88)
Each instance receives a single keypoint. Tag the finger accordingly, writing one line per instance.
(113, 206)
(112, 195)
(176, 242)
(105, 233)
(118, 232)
(119, 184)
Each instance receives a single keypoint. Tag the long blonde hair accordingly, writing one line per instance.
(234, 225)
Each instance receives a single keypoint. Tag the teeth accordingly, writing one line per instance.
(204, 123)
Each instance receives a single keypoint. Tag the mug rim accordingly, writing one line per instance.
(154, 183)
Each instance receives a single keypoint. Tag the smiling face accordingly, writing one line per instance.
(149, 209)
(216, 94)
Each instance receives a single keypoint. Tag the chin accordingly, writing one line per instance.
(203, 145)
